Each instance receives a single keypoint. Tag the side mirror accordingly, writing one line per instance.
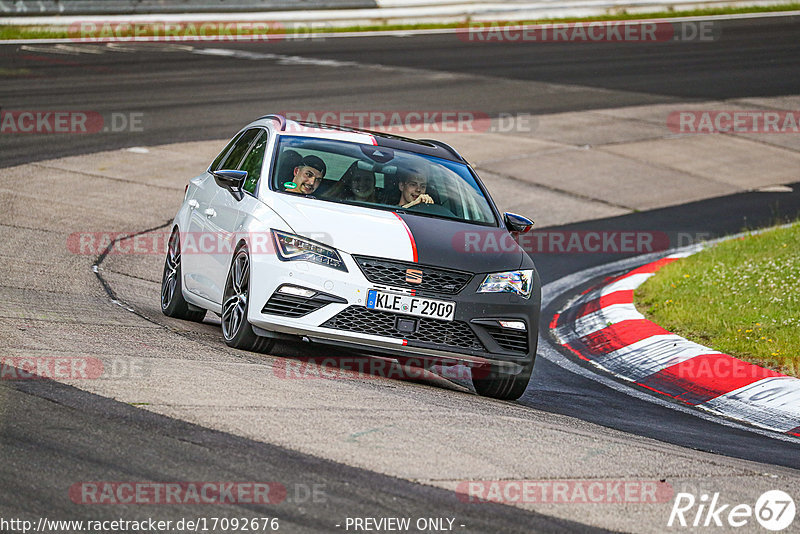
(517, 223)
(232, 181)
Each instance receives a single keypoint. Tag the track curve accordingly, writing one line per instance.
(423, 431)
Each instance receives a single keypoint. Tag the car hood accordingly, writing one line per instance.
(403, 236)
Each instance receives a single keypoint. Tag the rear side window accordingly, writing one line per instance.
(240, 146)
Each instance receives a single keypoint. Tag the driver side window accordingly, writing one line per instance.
(234, 157)
(253, 162)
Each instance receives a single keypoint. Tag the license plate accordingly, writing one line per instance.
(408, 305)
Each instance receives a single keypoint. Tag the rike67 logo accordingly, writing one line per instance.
(774, 510)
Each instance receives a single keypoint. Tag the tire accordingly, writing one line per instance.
(237, 332)
(499, 384)
(172, 302)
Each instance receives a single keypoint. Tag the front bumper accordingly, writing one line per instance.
(474, 337)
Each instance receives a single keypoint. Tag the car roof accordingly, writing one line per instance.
(427, 147)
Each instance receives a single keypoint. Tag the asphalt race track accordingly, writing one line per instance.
(189, 96)
(55, 434)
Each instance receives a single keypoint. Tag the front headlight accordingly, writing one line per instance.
(519, 282)
(292, 247)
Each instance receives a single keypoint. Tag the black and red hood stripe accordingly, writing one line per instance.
(440, 242)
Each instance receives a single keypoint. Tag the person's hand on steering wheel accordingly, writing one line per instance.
(422, 199)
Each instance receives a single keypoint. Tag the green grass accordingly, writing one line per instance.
(741, 297)
(22, 31)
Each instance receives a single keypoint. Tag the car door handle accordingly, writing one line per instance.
(210, 212)
(193, 204)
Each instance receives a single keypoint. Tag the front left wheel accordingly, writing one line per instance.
(236, 330)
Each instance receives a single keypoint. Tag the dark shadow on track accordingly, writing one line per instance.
(76, 437)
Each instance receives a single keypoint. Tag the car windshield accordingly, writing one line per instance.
(381, 178)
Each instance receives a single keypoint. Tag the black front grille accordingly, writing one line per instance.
(380, 323)
(393, 273)
(297, 306)
(508, 338)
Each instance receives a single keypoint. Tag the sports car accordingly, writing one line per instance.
(368, 241)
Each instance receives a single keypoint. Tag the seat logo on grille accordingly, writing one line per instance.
(413, 276)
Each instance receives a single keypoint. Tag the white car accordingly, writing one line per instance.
(368, 241)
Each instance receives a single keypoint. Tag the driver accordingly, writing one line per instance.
(412, 186)
(307, 176)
